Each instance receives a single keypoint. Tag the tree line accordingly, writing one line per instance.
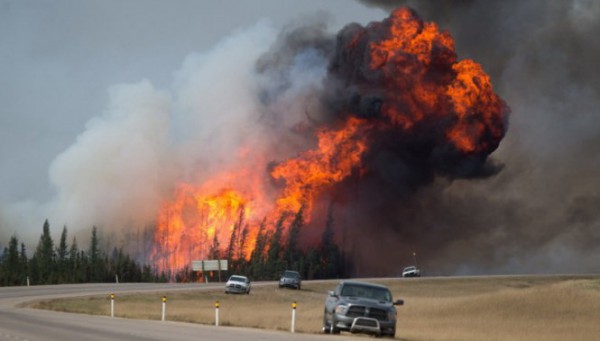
(275, 251)
(63, 263)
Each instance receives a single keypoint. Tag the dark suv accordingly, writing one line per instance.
(360, 307)
(290, 279)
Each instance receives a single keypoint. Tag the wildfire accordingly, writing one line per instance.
(401, 82)
(338, 154)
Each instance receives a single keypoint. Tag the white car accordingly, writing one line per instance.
(411, 271)
(237, 284)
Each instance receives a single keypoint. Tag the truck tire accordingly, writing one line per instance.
(332, 327)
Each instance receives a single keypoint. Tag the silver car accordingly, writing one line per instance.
(290, 279)
(237, 284)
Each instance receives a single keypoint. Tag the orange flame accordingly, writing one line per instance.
(338, 154)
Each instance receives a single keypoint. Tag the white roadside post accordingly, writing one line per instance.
(216, 313)
(27, 280)
(164, 307)
(294, 316)
(112, 305)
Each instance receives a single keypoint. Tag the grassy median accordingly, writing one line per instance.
(452, 308)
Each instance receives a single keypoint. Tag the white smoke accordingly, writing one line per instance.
(127, 160)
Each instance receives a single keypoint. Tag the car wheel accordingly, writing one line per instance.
(325, 324)
(332, 327)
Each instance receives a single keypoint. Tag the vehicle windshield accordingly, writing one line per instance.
(237, 279)
(291, 274)
(357, 290)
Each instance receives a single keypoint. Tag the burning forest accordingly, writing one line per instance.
(389, 108)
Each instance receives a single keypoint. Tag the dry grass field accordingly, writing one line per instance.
(444, 308)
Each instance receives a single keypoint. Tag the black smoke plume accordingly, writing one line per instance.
(536, 215)
(408, 136)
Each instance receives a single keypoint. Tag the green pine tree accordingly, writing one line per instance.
(292, 254)
(44, 264)
(24, 264)
(274, 264)
(330, 260)
(61, 258)
(257, 258)
(12, 275)
(95, 259)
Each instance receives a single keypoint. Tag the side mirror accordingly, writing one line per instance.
(399, 302)
(331, 293)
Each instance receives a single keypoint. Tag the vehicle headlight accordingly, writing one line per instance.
(341, 309)
(392, 314)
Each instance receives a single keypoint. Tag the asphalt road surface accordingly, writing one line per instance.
(33, 324)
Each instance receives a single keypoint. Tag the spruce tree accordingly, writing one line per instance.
(74, 264)
(275, 264)
(96, 269)
(235, 236)
(10, 262)
(215, 249)
(257, 258)
(24, 263)
(292, 250)
(330, 260)
(44, 257)
(241, 256)
(61, 257)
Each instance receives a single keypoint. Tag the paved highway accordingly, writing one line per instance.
(18, 323)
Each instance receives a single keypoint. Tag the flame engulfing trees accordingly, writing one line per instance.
(274, 253)
(396, 109)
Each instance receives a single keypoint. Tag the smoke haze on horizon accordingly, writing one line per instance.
(538, 214)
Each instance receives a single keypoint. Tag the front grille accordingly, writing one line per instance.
(379, 314)
(362, 322)
(360, 311)
(356, 311)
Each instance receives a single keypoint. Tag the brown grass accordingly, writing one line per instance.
(463, 308)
